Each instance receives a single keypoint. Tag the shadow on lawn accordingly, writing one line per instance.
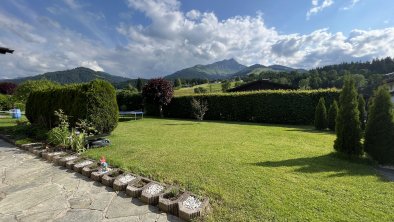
(333, 162)
(291, 127)
(311, 130)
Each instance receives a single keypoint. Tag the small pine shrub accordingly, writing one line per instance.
(348, 127)
(332, 115)
(321, 115)
(379, 132)
(361, 109)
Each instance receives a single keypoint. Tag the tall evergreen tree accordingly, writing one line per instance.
(348, 127)
(321, 115)
(361, 109)
(178, 83)
(139, 84)
(332, 115)
(379, 132)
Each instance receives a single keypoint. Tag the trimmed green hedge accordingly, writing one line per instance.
(271, 106)
(94, 101)
(129, 101)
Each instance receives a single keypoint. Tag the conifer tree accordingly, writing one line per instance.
(348, 127)
(379, 132)
(332, 115)
(361, 109)
(321, 115)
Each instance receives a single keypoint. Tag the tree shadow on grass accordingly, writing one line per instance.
(336, 163)
(127, 119)
(311, 130)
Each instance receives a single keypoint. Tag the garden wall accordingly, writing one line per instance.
(94, 102)
(271, 106)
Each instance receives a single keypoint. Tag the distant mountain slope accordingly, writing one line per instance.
(217, 70)
(257, 69)
(77, 75)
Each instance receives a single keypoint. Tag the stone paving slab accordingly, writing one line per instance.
(34, 190)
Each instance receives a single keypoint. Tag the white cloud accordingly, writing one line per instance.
(351, 5)
(173, 39)
(316, 8)
(92, 65)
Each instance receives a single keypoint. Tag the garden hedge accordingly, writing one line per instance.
(129, 101)
(271, 106)
(94, 102)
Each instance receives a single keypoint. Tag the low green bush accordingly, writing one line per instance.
(200, 90)
(321, 115)
(332, 115)
(5, 102)
(58, 136)
(94, 102)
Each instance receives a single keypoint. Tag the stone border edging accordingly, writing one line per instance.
(60, 158)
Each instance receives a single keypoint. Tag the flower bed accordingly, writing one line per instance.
(81, 164)
(134, 189)
(108, 179)
(168, 201)
(192, 207)
(87, 170)
(121, 181)
(64, 160)
(150, 194)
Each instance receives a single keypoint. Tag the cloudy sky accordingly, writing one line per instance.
(147, 38)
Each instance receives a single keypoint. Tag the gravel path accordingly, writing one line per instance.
(34, 190)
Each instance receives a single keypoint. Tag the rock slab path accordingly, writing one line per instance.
(32, 189)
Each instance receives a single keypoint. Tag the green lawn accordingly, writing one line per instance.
(216, 88)
(254, 172)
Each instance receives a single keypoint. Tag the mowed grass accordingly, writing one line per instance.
(211, 88)
(254, 172)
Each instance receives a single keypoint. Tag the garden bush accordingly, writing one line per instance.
(348, 126)
(379, 132)
(200, 90)
(129, 101)
(94, 102)
(321, 115)
(271, 106)
(332, 115)
(5, 102)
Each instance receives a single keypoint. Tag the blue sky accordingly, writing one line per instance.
(147, 38)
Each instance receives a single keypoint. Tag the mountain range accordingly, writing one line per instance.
(224, 69)
(77, 75)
